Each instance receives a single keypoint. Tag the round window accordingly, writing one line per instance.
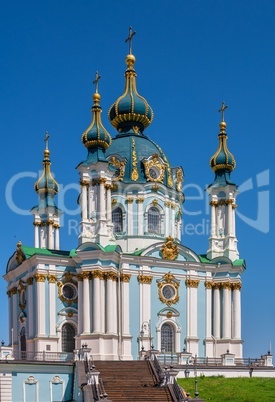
(69, 291)
(168, 292)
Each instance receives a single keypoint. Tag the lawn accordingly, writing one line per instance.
(220, 389)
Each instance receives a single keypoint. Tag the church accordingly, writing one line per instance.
(130, 284)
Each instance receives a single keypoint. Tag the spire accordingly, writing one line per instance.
(223, 161)
(46, 213)
(131, 112)
(96, 136)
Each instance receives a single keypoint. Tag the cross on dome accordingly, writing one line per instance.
(222, 109)
(130, 39)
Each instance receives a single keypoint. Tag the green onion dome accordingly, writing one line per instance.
(222, 160)
(46, 182)
(131, 112)
(96, 136)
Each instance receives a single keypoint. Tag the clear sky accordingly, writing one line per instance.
(190, 56)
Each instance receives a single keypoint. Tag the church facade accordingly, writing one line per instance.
(130, 284)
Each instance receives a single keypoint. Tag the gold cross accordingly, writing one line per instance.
(222, 109)
(130, 39)
(97, 78)
(46, 139)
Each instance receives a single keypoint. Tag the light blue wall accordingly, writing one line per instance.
(43, 383)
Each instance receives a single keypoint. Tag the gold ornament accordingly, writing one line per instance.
(170, 250)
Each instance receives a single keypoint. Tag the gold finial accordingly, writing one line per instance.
(130, 39)
(222, 109)
(46, 139)
(97, 78)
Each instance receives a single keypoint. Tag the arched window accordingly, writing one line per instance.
(117, 219)
(154, 220)
(68, 334)
(167, 338)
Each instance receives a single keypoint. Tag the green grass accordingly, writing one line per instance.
(220, 389)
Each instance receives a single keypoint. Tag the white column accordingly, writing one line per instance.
(96, 301)
(57, 240)
(102, 203)
(229, 217)
(172, 223)
(108, 202)
(213, 204)
(167, 218)
(140, 201)
(40, 303)
(14, 314)
(115, 304)
(217, 311)
(102, 304)
(86, 303)
(208, 309)
(52, 304)
(194, 311)
(125, 314)
(80, 304)
(50, 235)
(43, 235)
(36, 234)
(84, 198)
(226, 327)
(237, 310)
(109, 303)
(30, 307)
(145, 307)
(10, 315)
(130, 215)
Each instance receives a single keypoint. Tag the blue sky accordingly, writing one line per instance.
(190, 56)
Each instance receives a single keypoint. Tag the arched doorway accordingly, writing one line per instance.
(68, 341)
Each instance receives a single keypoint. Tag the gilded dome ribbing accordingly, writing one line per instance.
(130, 112)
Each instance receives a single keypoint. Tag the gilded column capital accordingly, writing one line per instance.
(37, 223)
(173, 205)
(208, 285)
(236, 286)
(213, 203)
(102, 180)
(111, 276)
(230, 201)
(216, 285)
(50, 222)
(51, 278)
(40, 277)
(56, 226)
(85, 275)
(192, 283)
(140, 200)
(108, 186)
(30, 281)
(14, 290)
(125, 277)
(147, 279)
(167, 204)
(234, 206)
(79, 277)
(97, 274)
(84, 183)
(226, 285)
(130, 200)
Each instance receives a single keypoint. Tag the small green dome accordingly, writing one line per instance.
(96, 136)
(223, 159)
(130, 112)
(46, 182)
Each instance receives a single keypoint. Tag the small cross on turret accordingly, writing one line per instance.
(46, 139)
(97, 78)
(222, 109)
(130, 39)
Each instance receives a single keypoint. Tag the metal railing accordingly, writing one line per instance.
(43, 356)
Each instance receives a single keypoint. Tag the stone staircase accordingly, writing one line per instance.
(130, 381)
